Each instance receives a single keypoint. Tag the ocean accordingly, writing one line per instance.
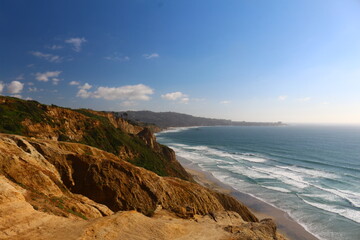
(310, 172)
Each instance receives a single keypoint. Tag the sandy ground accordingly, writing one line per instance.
(286, 225)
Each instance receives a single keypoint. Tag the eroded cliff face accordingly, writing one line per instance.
(60, 170)
(103, 130)
(59, 190)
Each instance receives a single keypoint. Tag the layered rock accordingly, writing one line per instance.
(103, 130)
(59, 190)
(60, 170)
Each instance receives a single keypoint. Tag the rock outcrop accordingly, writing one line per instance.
(72, 175)
(133, 143)
(59, 170)
(60, 190)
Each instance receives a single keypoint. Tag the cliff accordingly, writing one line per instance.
(72, 175)
(98, 129)
(61, 190)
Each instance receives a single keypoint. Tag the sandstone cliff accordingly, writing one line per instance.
(71, 176)
(60, 190)
(98, 129)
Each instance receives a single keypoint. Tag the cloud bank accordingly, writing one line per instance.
(129, 93)
(47, 56)
(15, 87)
(74, 83)
(176, 96)
(44, 77)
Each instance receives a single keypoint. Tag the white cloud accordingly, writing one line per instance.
(1, 87)
(55, 81)
(117, 58)
(30, 65)
(30, 83)
(127, 93)
(44, 77)
(176, 96)
(83, 93)
(54, 47)
(15, 87)
(76, 43)
(74, 83)
(86, 86)
(17, 95)
(282, 98)
(173, 96)
(305, 99)
(225, 102)
(150, 56)
(185, 100)
(47, 56)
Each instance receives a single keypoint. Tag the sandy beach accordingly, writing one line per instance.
(286, 225)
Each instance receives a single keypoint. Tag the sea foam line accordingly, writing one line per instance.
(175, 129)
(350, 214)
(205, 150)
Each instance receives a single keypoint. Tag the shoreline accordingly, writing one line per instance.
(285, 224)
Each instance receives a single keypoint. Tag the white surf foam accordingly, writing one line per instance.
(284, 176)
(310, 172)
(352, 197)
(279, 189)
(251, 158)
(351, 214)
(175, 129)
(245, 171)
(205, 150)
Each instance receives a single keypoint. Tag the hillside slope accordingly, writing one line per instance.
(133, 143)
(173, 119)
(59, 190)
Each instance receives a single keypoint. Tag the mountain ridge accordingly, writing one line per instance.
(174, 119)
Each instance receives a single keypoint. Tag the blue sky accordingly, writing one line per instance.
(291, 61)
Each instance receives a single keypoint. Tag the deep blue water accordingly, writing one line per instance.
(311, 172)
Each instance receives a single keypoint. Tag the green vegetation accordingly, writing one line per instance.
(107, 137)
(97, 131)
(59, 203)
(14, 111)
(76, 213)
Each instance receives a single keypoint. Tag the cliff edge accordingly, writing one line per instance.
(73, 191)
(83, 174)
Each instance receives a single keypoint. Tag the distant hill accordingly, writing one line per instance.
(173, 119)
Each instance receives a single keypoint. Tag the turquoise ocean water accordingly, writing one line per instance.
(311, 172)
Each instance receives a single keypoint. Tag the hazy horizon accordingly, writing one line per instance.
(260, 61)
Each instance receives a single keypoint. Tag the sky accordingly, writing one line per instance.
(292, 61)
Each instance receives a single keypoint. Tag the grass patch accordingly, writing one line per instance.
(13, 111)
(76, 214)
(98, 132)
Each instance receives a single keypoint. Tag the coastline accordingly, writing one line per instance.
(285, 224)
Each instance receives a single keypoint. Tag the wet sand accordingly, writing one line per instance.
(286, 225)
